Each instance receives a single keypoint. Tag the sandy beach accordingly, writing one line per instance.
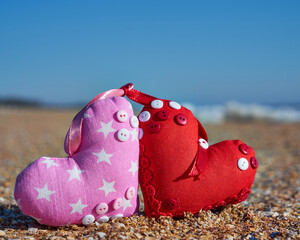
(272, 210)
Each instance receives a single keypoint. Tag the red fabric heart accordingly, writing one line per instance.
(178, 171)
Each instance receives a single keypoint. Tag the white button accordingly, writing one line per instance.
(174, 105)
(117, 216)
(134, 122)
(103, 219)
(141, 133)
(157, 104)
(88, 219)
(203, 143)
(123, 134)
(117, 203)
(243, 164)
(122, 116)
(144, 116)
(102, 208)
(130, 193)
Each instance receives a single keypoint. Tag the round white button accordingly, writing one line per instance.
(203, 143)
(141, 133)
(123, 134)
(134, 122)
(174, 105)
(243, 164)
(117, 203)
(117, 216)
(103, 219)
(157, 104)
(102, 208)
(130, 193)
(122, 116)
(88, 219)
(144, 116)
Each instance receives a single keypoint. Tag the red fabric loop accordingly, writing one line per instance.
(136, 95)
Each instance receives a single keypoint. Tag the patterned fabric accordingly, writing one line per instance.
(99, 181)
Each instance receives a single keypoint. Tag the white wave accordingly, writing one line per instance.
(240, 111)
(209, 114)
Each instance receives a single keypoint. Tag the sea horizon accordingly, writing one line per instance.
(207, 113)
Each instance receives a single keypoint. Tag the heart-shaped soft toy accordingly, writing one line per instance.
(99, 178)
(179, 172)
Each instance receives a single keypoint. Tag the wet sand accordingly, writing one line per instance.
(272, 210)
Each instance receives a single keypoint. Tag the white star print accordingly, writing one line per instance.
(19, 203)
(49, 162)
(103, 156)
(133, 168)
(126, 203)
(36, 219)
(77, 207)
(86, 115)
(134, 134)
(44, 192)
(107, 187)
(106, 128)
(75, 173)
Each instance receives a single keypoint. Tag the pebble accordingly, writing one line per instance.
(118, 225)
(101, 234)
(2, 233)
(32, 230)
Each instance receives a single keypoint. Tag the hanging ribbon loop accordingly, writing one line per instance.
(136, 95)
(74, 135)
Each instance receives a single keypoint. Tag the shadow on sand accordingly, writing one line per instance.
(11, 217)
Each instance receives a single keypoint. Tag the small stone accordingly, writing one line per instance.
(118, 226)
(97, 224)
(138, 236)
(2, 233)
(32, 230)
(104, 226)
(276, 214)
(121, 237)
(101, 234)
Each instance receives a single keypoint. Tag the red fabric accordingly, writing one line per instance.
(177, 175)
(136, 95)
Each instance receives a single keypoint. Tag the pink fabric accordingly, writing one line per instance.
(61, 191)
(73, 137)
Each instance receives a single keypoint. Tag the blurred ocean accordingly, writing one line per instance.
(246, 112)
(218, 113)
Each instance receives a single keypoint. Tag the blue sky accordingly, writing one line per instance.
(204, 52)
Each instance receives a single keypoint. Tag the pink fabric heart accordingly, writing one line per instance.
(99, 178)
